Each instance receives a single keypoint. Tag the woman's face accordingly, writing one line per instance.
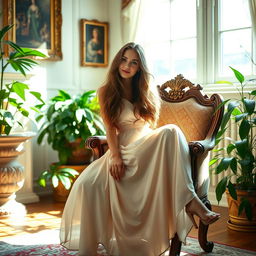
(129, 64)
(95, 33)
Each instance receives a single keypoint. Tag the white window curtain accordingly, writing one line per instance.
(130, 21)
(252, 4)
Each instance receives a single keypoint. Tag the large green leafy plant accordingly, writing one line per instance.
(239, 154)
(14, 94)
(68, 119)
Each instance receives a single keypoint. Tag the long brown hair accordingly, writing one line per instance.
(144, 100)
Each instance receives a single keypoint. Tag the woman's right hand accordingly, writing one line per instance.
(117, 168)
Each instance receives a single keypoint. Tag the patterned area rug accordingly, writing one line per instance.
(191, 249)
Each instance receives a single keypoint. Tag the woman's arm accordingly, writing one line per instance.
(117, 167)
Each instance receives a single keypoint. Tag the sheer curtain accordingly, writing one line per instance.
(130, 20)
(147, 22)
(252, 4)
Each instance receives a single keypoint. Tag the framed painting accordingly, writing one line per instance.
(37, 25)
(94, 43)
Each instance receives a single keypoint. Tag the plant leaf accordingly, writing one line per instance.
(232, 190)
(238, 75)
(224, 164)
(65, 181)
(19, 89)
(223, 82)
(42, 182)
(79, 114)
(240, 117)
(236, 112)
(55, 181)
(232, 105)
(13, 45)
(64, 94)
(225, 120)
(41, 135)
(220, 105)
(220, 188)
(242, 147)
(249, 105)
(244, 129)
(4, 30)
(213, 161)
(230, 148)
(73, 172)
(233, 165)
(37, 95)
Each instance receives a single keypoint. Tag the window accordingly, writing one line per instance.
(234, 36)
(197, 38)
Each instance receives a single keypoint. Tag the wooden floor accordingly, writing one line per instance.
(46, 215)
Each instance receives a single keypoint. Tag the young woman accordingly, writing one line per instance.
(139, 194)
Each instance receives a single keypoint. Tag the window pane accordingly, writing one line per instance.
(183, 19)
(183, 58)
(234, 14)
(158, 58)
(235, 48)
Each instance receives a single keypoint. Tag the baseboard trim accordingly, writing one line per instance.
(27, 197)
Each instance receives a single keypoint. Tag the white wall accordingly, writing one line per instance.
(67, 74)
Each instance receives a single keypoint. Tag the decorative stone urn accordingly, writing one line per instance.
(11, 173)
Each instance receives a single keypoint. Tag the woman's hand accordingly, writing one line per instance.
(117, 168)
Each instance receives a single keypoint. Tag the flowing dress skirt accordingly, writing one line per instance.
(138, 215)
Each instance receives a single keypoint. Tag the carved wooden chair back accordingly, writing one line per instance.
(184, 104)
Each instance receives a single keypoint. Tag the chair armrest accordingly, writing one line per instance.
(201, 146)
(98, 145)
(197, 149)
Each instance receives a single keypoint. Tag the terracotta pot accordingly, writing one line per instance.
(80, 155)
(240, 222)
(60, 193)
(11, 172)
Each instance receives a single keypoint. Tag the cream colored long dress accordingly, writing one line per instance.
(138, 215)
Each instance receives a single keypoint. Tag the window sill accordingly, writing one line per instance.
(227, 88)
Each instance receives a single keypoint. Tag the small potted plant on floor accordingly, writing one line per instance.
(13, 105)
(238, 166)
(69, 122)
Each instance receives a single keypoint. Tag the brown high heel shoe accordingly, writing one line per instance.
(196, 207)
(206, 220)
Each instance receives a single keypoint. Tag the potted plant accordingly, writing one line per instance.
(12, 103)
(69, 122)
(238, 165)
(56, 173)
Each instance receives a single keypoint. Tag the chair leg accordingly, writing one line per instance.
(175, 246)
(202, 232)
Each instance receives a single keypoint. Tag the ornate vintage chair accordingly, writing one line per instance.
(184, 104)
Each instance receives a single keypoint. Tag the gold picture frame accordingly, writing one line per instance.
(94, 43)
(37, 25)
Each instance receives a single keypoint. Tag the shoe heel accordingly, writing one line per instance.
(191, 216)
